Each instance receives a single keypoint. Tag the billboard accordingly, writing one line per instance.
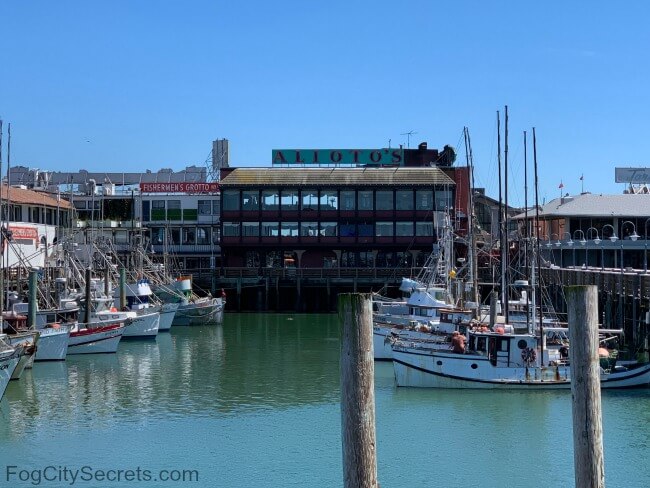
(181, 187)
(638, 176)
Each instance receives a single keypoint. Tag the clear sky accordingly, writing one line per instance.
(126, 85)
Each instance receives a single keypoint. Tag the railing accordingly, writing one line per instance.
(395, 274)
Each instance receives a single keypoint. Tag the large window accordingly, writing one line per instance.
(424, 228)
(230, 199)
(424, 200)
(385, 200)
(157, 235)
(289, 199)
(146, 211)
(250, 229)
(347, 200)
(158, 210)
(203, 235)
(175, 235)
(189, 235)
(365, 229)
(309, 229)
(270, 199)
(173, 210)
(366, 259)
(250, 200)
(443, 200)
(404, 199)
(205, 207)
(309, 200)
(364, 200)
(289, 229)
(329, 200)
(403, 228)
(328, 229)
(270, 229)
(231, 229)
(348, 230)
(384, 229)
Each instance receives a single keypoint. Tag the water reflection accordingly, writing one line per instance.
(251, 362)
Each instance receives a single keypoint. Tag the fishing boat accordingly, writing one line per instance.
(496, 359)
(53, 337)
(192, 310)
(144, 319)
(9, 358)
(26, 342)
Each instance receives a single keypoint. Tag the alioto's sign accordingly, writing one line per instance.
(182, 187)
(338, 156)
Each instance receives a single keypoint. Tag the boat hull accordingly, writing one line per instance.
(8, 365)
(100, 340)
(201, 312)
(381, 343)
(143, 326)
(167, 314)
(53, 344)
(28, 341)
(436, 369)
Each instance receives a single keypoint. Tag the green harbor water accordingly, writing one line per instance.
(255, 403)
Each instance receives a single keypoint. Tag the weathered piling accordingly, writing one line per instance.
(33, 298)
(122, 288)
(89, 301)
(589, 463)
(357, 391)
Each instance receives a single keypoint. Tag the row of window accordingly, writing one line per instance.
(200, 235)
(171, 210)
(314, 229)
(325, 200)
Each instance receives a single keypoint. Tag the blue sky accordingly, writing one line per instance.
(149, 84)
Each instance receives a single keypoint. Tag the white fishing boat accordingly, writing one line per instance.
(53, 336)
(503, 360)
(167, 313)
(53, 343)
(422, 319)
(144, 319)
(95, 340)
(9, 358)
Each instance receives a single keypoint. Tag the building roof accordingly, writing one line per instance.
(591, 205)
(336, 177)
(30, 197)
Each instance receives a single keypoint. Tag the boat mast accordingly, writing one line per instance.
(506, 256)
(527, 233)
(470, 228)
(501, 249)
(2, 236)
(539, 267)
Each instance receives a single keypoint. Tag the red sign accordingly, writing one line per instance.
(182, 187)
(23, 232)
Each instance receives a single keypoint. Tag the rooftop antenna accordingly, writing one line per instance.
(408, 137)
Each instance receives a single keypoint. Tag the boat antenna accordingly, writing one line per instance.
(506, 256)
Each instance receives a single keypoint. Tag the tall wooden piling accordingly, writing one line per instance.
(589, 463)
(122, 288)
(33, 298)
(357, 391)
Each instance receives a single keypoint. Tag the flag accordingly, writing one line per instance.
(582, 177)
(561, 185)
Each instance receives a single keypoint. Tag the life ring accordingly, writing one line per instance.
(528, 355)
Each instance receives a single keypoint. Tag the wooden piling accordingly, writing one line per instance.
(589, 463)
(33, 298)
(122, 288)
(357, 391)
